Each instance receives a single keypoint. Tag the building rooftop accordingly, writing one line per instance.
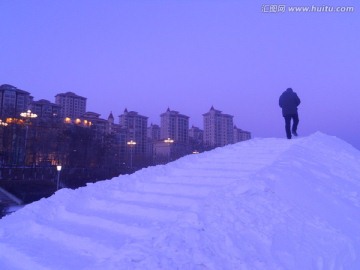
(71, 94)
(9, 87)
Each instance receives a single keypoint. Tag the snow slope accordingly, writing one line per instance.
(261, 204)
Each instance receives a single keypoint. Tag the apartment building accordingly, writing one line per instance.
(241, 135)
(136, 130)
(13, 101)
(218, 128)
(72, 105)
(175, 126)
(45, 109)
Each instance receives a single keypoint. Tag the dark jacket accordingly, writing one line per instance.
(289, 101)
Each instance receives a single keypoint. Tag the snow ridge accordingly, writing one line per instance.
(261, 204)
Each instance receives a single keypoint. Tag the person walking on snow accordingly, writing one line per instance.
(289, 101)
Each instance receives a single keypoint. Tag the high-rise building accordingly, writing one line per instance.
(174, 137)
(136, 130)
(175, 126)
(218, 128)
(72, 105)
(13, 101)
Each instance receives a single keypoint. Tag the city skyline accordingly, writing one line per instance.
(188, 56)
(40, 132)
(60, 98)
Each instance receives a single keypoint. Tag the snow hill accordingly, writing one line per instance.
(261, 204)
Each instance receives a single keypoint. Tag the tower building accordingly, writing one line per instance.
(175, 126)
(13, 101)
(72, 105)
(218, 128)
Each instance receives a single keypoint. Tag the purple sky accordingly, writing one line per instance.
(189, 55)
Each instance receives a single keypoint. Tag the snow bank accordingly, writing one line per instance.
(261, 204)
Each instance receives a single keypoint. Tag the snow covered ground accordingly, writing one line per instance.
(261, 204)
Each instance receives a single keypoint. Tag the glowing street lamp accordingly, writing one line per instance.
(169, 141)
(4, 124)
(28, 115)
(58, 168)
(131, 144)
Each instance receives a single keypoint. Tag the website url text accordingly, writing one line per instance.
(284, 8)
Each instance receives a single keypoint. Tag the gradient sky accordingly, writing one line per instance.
(149, 55)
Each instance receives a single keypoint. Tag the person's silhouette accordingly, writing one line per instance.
(289, 101)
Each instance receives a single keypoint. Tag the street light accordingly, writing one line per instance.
(58, 168)
(27, 115)
(169, 141)
(131, 144)
(4, 124)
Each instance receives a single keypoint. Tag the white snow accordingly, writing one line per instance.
(261, 204)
